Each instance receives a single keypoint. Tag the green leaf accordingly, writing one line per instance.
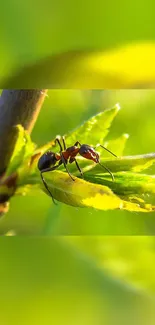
(128, 191)
(115, 68)
(78, 193)
(117, 145)
(98, 191)
(95, 129)
(92, 131)
(135, 163)
(134, 188)
(126, 182)
(23, 149)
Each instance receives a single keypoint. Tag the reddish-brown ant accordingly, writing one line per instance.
(48, 160)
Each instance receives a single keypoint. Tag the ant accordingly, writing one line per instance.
(48, 160)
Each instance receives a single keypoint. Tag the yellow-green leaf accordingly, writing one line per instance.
(95, 129)
(126, 66)
(23, 148)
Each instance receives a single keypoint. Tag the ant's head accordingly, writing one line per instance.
(89, 153)
(47, 160)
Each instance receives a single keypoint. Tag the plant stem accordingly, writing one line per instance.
(20, 106)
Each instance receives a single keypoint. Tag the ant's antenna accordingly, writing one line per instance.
(99, 145)
(112, 176)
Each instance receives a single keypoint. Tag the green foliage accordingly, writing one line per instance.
(78, 57)
(23, 149)
(95, 129)
(129, 258)
(115, 68)
(73, 54)
(116, 272)
(52, 272)
(110, 287)
(97, 190)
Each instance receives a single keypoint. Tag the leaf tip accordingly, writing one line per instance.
(117, 106)
(126, 135)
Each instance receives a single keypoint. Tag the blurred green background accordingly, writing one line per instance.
(108, 280)
(52, 28)
(80, 280)
(62, 111)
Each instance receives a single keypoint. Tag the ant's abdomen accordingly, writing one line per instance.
(47, 160)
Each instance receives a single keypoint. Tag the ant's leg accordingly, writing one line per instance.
(62, 158)
(79, 168)
(58, 141)
(43, 180)
(77, 143)
(45, 184)
(77, 165)
(99, 145)
(65, 165)
(64, 143)
(112, 176)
